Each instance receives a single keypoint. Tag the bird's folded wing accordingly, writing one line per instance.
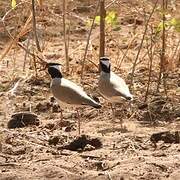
(69, 92)
(119, 85)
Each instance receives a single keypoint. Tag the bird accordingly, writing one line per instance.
(111, 86)
(67, 92)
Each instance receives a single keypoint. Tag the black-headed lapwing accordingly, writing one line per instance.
(112, 87)
(67, 92)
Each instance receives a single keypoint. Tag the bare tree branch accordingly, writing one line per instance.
(65, 38)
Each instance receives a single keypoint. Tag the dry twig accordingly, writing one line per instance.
(140, 47)
(88, 39)
(163, 50)
(150, 54)
(102, 28)
(65, 38)
(34, 26)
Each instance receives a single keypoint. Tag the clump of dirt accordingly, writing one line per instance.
(38, 81)
(53, 140)
(158, 110)
(81, 142)
(166, 137)
(23, 119)
(51, 151)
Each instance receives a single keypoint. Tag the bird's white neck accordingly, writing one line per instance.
(104, 74)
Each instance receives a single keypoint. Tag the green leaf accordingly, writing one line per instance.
(175, 23)
(97, 20)
(111, 18)
(117, 28)
(89, 22)
(13, 4)
(160, 26)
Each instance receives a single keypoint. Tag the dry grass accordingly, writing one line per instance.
(127, 153)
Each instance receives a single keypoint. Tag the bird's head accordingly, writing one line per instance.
(105, 65)
(54, 69)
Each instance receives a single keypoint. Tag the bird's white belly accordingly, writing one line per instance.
(66, 105)
(107, 91)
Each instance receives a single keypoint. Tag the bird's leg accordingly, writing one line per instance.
(113, 112)
(79, 123)
(112, 109)
(121, 123)
(130, 106)
(61, 122)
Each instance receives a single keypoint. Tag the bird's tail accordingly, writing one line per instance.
(96, 105)
(94, 102)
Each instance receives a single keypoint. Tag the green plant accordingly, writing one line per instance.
(174, 22)
(111, 19)
(13, 4)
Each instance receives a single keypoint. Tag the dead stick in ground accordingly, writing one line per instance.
(65, 38)
(163, 51)
(34, 26)
(102, 28)
(88, 39)
(25, 56)
(175, 51)
(140, 47)
(125, 53)
(178, 59)
(35, 66)
(150, 54)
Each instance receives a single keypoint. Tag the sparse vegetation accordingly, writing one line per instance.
(142, 39)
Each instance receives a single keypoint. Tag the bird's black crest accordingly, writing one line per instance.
(53, 64)
(105, 65)
(104, 59)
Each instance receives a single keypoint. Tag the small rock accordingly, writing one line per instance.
(81, 142)
(55, 108)
(53, 140)
(167, 137)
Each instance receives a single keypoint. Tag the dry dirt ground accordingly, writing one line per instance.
(105, 150)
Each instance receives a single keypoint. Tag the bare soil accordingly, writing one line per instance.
(51, 149)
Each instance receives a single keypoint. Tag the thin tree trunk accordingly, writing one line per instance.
(163, 50)
(102, 28)
(65, 38)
